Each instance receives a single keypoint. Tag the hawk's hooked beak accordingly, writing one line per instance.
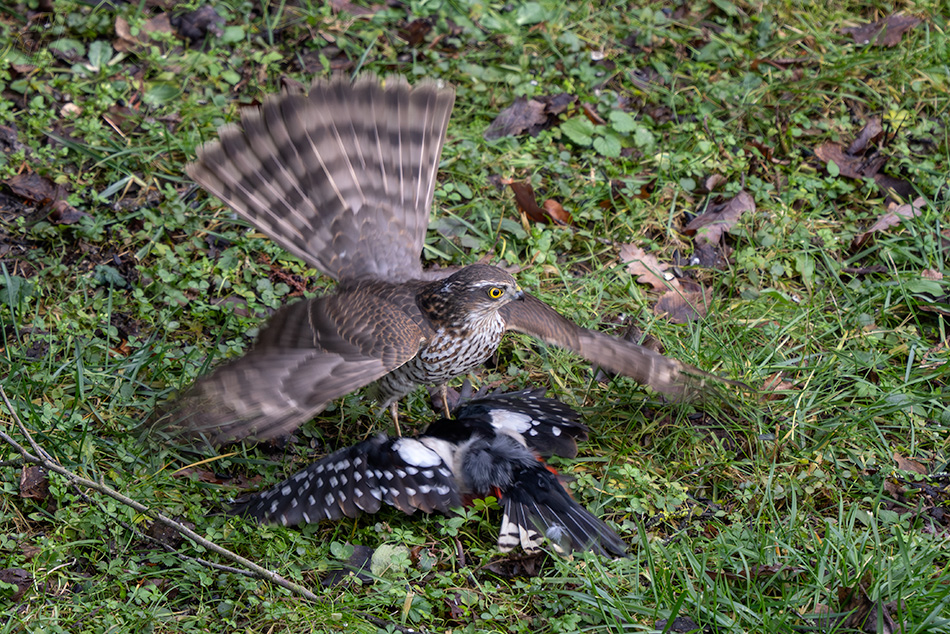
(519, 294)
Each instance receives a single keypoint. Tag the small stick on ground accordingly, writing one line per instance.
(40, 457)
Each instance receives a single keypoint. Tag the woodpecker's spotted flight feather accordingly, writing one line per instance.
(343, 178)
(491, 447)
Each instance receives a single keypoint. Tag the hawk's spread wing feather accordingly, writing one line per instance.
(672, 377)
(342, 178)
(311, 353)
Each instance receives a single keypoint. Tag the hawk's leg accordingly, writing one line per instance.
(444, 397)
(394, 410)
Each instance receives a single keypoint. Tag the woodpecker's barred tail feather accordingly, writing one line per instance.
(344, 178)
(537, 509)
(485, 450)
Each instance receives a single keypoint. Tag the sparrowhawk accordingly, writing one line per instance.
(343, 178)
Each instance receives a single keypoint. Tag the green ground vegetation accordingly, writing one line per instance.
(820, 491)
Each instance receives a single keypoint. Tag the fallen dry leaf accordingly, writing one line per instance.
(354, 9)
(871, 132)
(893, 27)
(893, 217)
(647, 268)
(18, 577)
(590, 111)
(931, 274)
(907, 464)
(556, 212)
(850, 166)
(710, 226)
(776, 383)
(551, 213)
(526, 202)
(198, 24)
(862, 614)
(126, 42)
(713, 182)
(520, 116)
(34, 188)
(856, 162)
(34, 484)
(528, 116)
(416, 31)
(683, 306)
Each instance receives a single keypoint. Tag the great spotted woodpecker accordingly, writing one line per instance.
(493, 446)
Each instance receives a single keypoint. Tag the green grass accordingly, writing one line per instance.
(745, 513)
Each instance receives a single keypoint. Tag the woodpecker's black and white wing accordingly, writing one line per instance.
(546, 425)
(537, 510)
(407, 473)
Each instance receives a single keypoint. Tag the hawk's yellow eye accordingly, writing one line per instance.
(495, 292)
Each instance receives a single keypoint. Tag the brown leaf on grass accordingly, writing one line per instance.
(856, 162)
(776, 383)
(647, 268)
(42, 192)
(551, 212)
(196, 25)
(519, 117)
(590, 111)
(556, 212)
(29, 551)
(908, 464)
(526, 202)
(34, 485)
(416, 31)
(851, 166)
(887, 32)
(761, 571)
(710, 226)
(62, 213)
(871, 132)
(684, 306)
(126, 42)
(895, 215)
(354, 9)
(210, 477)
(861, 614)
(528, 116)
(34, 188)
(18, 577)
(713, 182)
(931, 274)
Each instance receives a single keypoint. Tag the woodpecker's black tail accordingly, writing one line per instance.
(536, 507)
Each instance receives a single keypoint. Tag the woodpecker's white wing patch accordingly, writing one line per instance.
(511, 421)
(414, 453)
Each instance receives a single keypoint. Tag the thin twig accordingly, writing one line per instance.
(168, 547)
(42, 458)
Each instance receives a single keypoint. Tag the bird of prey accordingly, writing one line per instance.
(343, 177)
(492, 447)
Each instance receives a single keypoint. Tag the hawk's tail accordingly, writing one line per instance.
(342, 177)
